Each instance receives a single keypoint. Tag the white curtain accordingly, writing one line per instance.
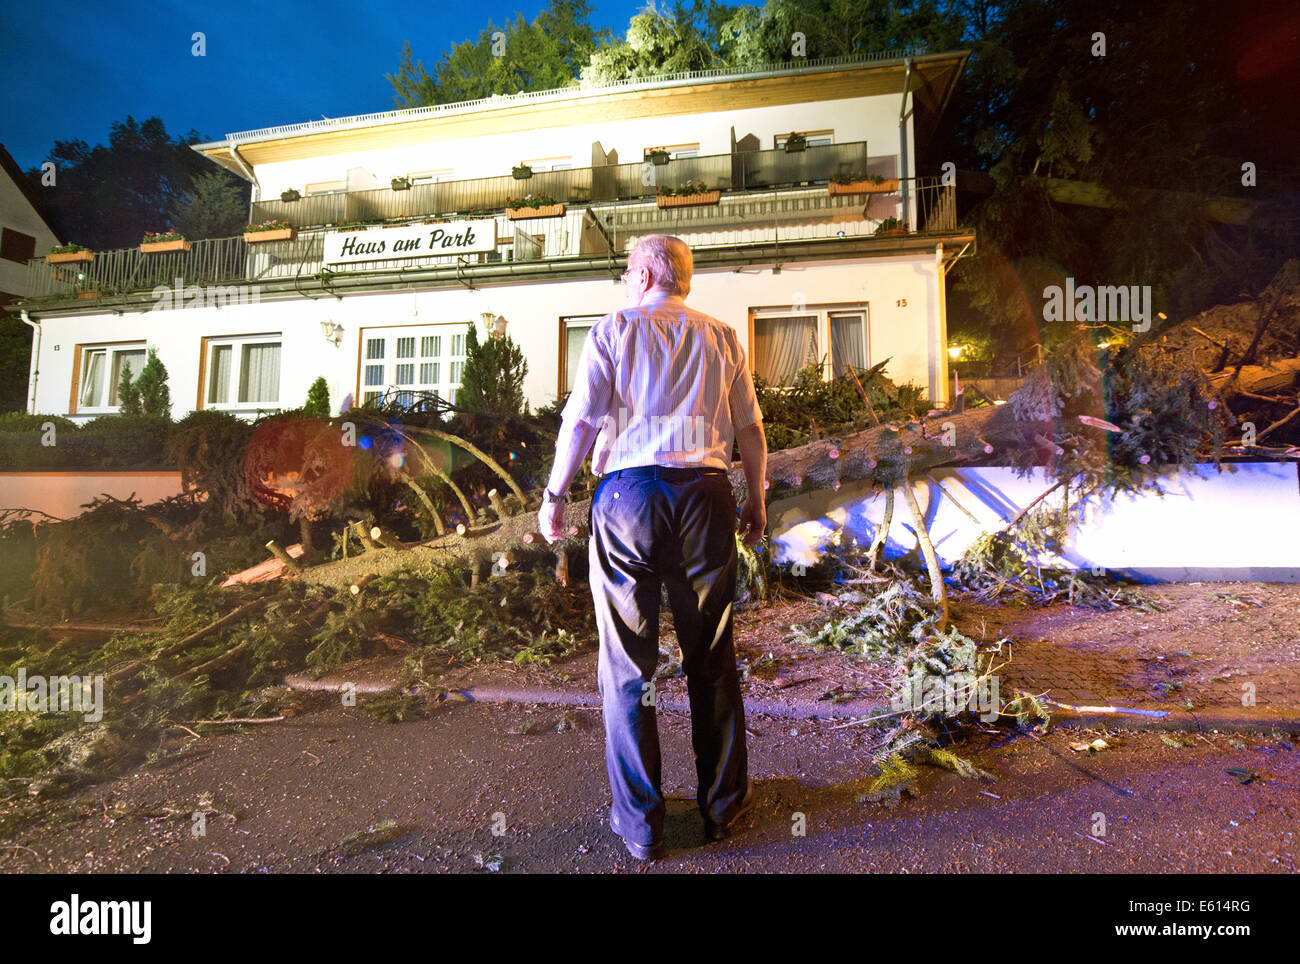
(131, 360)
(92, 383)
(848, 342)
(783, 345)
(219, 374)
(259, 375)
(575, 336)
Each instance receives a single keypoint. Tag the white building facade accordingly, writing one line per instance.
(402, 234)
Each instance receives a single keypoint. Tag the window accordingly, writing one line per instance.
(327, 187)
(848, 341)
(541, 164)
(101, 373)
(783, 344)
(575, 332)
(786, 341)
(815, 138)
(432, 177)
(16, 246)
(243, 372)
(676, 151)
(393, 365)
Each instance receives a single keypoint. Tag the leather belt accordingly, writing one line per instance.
(665, 473)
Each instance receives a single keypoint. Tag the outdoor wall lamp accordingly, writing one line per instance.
(333, 333)
(494, 323)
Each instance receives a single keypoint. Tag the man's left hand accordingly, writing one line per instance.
(550, 520)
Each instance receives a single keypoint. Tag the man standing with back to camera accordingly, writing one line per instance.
(663, 390)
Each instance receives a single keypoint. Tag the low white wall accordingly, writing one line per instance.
(1239, 524)
(62, 494)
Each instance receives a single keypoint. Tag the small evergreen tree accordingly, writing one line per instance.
(318, 399)
(492, 379)
(128, 393)
(155, 396)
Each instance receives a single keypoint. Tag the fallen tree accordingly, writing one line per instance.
(1041, 425)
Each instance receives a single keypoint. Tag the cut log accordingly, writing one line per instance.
(385, 540)
(363, 533)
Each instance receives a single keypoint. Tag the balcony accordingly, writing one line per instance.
(768, 198)
(743, 171)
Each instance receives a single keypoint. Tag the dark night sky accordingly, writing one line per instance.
(71, 68)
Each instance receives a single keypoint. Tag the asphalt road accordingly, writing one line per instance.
(468, 790)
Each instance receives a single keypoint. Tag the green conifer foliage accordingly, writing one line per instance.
(318, 399)
(492, 380)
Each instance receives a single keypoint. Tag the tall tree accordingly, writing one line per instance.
(659, 40)
(15, 362)
(546, 53)
(110, 195)
(1140, 99)
(216, 206)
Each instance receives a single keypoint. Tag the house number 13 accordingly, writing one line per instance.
(901, 302)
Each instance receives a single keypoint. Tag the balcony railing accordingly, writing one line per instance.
(215, 271)
(741, 171)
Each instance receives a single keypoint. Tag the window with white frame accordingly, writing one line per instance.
(326, 187)
(242, 372)
(575, 330)
(404, 361)
(834, 336)
(676, 151)
(101, 373)
(814, 138)
(432, 177)
(540, 164)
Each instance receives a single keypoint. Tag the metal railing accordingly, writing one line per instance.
(764, 213)
(740, 171)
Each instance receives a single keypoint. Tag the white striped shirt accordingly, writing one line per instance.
(664, 385)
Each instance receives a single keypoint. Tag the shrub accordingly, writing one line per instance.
(318, 400)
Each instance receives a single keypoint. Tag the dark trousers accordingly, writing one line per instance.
(677, 531)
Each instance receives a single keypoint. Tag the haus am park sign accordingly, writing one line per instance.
(415, 241)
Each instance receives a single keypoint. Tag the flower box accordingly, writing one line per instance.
(545, 211)
(69, 257)
(260, 237)
(865, 187)
(890, 232)
(161, 247)
(688, 200)
(521, 173)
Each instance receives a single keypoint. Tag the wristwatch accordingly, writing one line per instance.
(548, 494)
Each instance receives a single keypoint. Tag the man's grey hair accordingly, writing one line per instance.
(669, 260)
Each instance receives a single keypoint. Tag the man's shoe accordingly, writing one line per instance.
(713, 832)
(643, 852)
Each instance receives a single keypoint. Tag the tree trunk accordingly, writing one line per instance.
(889, 454)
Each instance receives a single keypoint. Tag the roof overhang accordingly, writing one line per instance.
(932, 80)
